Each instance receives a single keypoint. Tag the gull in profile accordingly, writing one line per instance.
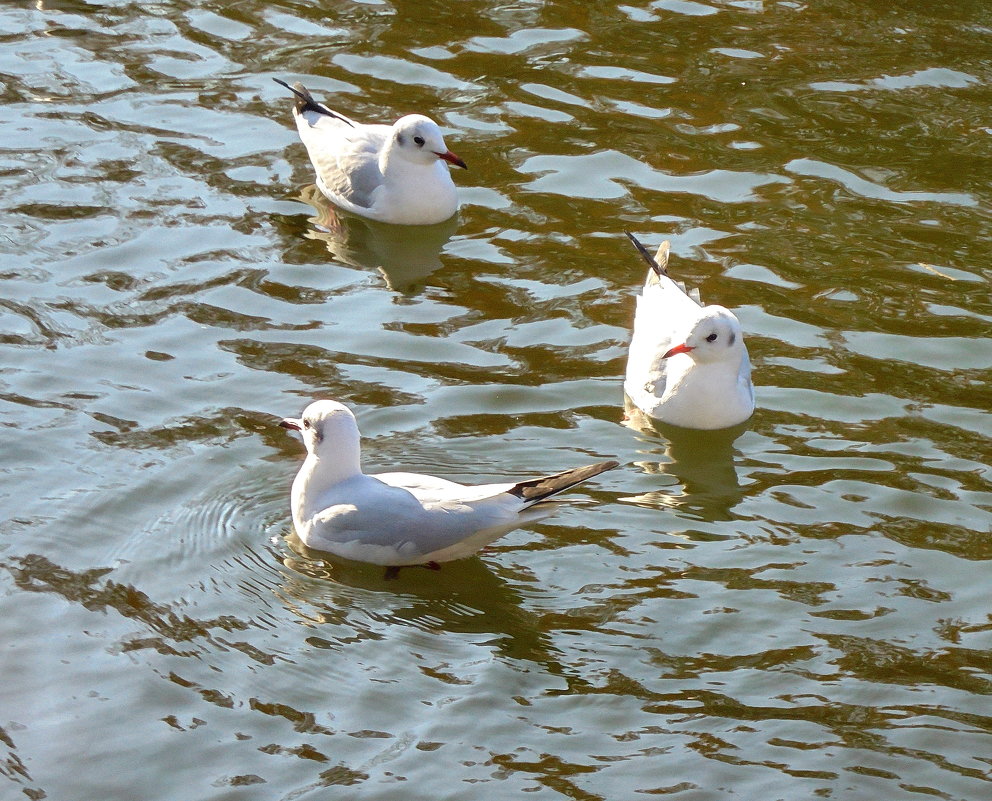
(401, 519)
(392, 173)
(688, 365)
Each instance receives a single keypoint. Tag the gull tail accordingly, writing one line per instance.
(305, 102)
(659, 262)
(535, 490)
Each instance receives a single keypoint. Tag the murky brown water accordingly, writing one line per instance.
(796, 609)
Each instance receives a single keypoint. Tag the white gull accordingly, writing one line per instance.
(392, 173)
(400, 519)
(688, 365)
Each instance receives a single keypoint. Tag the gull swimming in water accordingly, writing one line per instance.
(392, 173)
(401, 519)
(688, 365)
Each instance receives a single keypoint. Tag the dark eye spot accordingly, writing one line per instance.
(733, 338)
(399, 139)
(419, 140)
(711, 338)
(306, 424)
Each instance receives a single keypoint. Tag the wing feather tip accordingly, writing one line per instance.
(659, 262)
(538, 489)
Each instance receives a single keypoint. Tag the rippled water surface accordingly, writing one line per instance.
(795, 609)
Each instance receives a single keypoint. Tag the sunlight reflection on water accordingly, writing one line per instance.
(800, 601)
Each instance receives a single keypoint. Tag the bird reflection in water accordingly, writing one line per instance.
(702, 462)
(404, 254)
(471, 596)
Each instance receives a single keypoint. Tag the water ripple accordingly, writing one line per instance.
(801, 600)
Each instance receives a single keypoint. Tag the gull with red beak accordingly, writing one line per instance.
(391, 173)
(400, 519)
(688, 365)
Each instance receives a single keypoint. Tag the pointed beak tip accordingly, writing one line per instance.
(683, 348)
(290, 423)
(451, 158)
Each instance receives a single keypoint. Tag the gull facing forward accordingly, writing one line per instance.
(400, 519)
(688, 365)
(392, 173)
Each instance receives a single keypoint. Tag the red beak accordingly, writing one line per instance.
(683, 348)
(451, 158)
(291, 423)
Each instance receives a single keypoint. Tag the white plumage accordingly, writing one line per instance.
(688, 365)
(392, 173)
(398, 519)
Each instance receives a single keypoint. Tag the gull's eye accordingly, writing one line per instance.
(419, 141)
(306, 424)
(711, 338)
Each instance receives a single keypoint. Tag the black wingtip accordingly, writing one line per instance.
(537, 489)
(305, 102)
(304, 96)
(658, 268)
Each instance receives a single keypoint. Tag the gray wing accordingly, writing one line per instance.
(431, 489)
(373, 512)
(344, 155)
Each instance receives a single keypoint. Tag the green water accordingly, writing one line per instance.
(796, 609)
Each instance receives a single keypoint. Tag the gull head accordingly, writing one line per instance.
(329, 431)
(418, 139)
(716, 336)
